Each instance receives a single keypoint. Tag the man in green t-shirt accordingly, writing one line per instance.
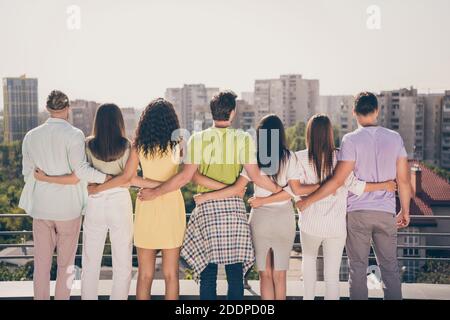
(218, 231)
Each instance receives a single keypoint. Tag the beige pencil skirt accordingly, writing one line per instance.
(273, 227)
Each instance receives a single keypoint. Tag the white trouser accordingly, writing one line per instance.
(332, 253)
(108, 211)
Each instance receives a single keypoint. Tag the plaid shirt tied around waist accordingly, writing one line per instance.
(218, 232)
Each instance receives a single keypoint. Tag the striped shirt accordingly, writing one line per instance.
(327, 217)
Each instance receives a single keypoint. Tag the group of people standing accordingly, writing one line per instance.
(345, 198)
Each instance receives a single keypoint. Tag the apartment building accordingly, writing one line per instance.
(245, 116)
(340, 111)
(189, 100)
(82, 115)
(20, 109)
(445, 132)
(403, 111)
(290, 97)
(130, 118)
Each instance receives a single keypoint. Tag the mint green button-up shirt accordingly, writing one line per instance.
(57, 148)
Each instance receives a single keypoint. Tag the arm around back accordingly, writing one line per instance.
(78, 161)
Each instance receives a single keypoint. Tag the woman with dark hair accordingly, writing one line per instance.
(324, 223)
(107, 150)
(159, 223)
(272, 224)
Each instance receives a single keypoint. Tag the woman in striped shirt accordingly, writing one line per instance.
(324, 223)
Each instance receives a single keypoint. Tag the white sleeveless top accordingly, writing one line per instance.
(288, 172)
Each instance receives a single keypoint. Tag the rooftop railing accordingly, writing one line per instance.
(189, 289)
(296, 247)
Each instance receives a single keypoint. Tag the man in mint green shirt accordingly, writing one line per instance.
(58, 149)
(218, 231)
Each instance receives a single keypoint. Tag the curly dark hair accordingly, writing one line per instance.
(222, 104)
(154, 132)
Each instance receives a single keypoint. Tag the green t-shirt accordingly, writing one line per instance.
(220, 153)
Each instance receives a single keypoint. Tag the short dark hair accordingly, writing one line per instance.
(365, 103)
(57, 100)
(222, 104)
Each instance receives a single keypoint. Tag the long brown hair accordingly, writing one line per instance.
(266, 125)
(320, 144)
(108, 141)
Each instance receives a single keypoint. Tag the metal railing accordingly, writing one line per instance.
(297, 243)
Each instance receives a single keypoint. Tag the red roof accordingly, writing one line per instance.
(435, 191)
(435, 188)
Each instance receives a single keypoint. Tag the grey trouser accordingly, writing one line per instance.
(381, 227)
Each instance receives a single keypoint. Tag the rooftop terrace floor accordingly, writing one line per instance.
(189, 290)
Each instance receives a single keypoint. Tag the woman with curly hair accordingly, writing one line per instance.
(110, 210)
(159, 224)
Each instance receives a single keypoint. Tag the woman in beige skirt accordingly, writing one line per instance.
(272, 224)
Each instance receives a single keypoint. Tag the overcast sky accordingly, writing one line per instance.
(128, 52)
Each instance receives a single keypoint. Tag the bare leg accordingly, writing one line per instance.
(146, 271)
(170, 270)
(279, 280)
(266, 279)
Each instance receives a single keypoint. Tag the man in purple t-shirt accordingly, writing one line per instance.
(374, 154)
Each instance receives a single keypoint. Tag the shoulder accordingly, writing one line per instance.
(197, 136)
(34, 132)
(75, 132)
(390, 133)
(127, 144)
(352, 135)
(242, 135)
(293, 159)
(302, 156)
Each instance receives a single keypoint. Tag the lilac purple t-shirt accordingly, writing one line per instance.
(375, 151)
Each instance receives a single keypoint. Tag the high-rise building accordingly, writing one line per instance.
(403, 111)
(189, 101)
(43, 115)
(432, 130)
(202, 117)
(20, 99)
(1, 128)
(130, 118)
(445, 132)
(340, 111)
(268, 98)
(82, 115)
(245, 116)
(290, 97)
(248, 97)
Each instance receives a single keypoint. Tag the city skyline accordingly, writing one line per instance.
(112, 57)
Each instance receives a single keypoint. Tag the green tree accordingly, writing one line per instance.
(14, 273)
(295, 137)
(437, 272)
(443, 173)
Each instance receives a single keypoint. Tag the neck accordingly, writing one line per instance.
(222, 124)
(59, 116)
(368, 123)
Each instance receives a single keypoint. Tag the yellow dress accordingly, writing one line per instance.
(160, 223)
